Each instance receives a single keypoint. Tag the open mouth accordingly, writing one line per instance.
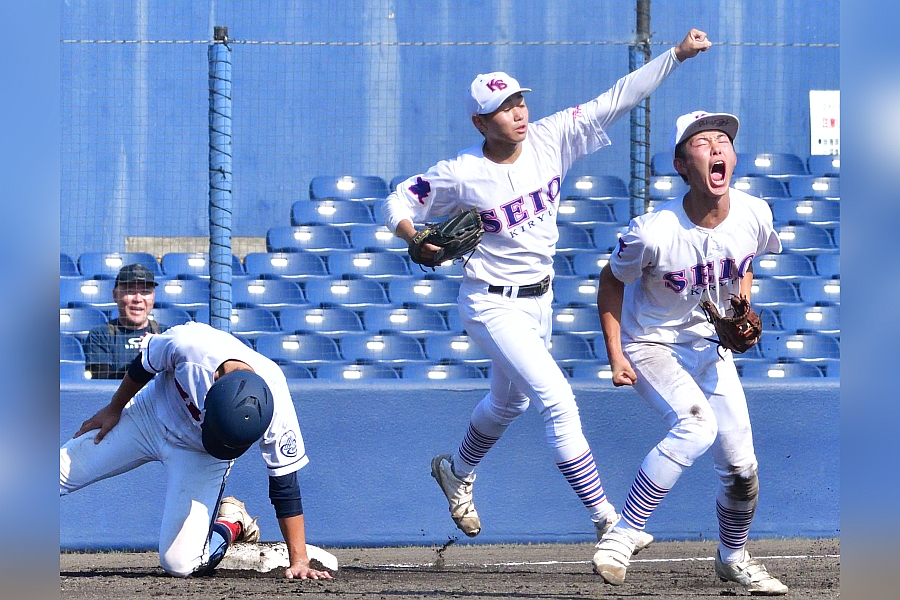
(717, 173)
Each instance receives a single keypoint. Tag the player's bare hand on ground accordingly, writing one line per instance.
(693, 44)
(105, 419)
(303, 571)
(622, 372)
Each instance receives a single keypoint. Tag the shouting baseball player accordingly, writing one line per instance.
(513, 179)
(195, 399)
(688, 251)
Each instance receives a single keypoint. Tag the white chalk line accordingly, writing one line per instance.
(584, 562)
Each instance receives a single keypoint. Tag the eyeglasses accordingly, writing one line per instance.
(706, 141)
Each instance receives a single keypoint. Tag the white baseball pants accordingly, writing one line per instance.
(193, 480)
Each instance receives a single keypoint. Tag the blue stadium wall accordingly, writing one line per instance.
(134, 153)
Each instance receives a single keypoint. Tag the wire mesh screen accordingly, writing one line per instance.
(377, 88)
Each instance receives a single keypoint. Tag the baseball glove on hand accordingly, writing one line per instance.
(741, 330)
(456, 237)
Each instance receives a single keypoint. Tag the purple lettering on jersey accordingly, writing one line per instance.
(553, 188)
(727, 270)
(514, 213)
(702, 274)
(496, 84)
(538, 202)
(675, 281)
(490, 221)
(576, 113)
(745, 265)
(421, 189)
(622, 246)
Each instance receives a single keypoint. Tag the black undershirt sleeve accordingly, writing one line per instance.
(284, 492)
(136, 371)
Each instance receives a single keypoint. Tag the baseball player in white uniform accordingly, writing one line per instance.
(513, 178)
(658, 339)
(169, 408)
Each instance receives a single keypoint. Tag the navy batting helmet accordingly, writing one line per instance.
(239, 408)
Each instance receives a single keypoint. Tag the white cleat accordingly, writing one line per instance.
(751, 574)
(644, 539)
(459, 495)
(612, 557)
(233, 510)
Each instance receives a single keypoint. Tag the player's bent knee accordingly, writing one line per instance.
(689, 439)
(742, 486)
(178, 566)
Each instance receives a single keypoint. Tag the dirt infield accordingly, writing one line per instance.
(811, 568)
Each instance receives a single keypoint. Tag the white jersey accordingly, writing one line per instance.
(669, 264)
(517, 201)
(185, 359)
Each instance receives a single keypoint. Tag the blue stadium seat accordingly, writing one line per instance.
(249, 292)
(169, 316)
(382, 265)
(664, 187)
(434, 291)
(440, 372)
(77, 291)
(744, 166)
(598, 343)
(314, 238)
(777, 164)
(332, 321)
(761, 186)
(773, 293)
(576, 319)
(832, 368)
(305, 348)
(817, 212)
(805, 238)
(589, 264)
(569, 349)
(575, 290)
(836, 236)
(354, 372)
(573, 237)
(183, 293)
(606, 237)
(821, 291)
(594, 186)
(770, 320)
(824, 165)
(822, 319)
(828, 265)
(454, 322)
(71, 358)
(661, 164)
(385, 348)
(562, 266)
(330, 212)
(253, 322)
(806, 347)
(99, 264)
(414, 320)
(67, 266)
(397, 180)
(182, 265)
(581, 212)
(80, 320)
(815, 187)
(457, 348)
(347, 187)
(376, 237)
(349, 291)
(295, 371)
(289, 265)
(779, 370)
(595, 370)
(784, 266)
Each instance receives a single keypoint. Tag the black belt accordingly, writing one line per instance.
(526, 291)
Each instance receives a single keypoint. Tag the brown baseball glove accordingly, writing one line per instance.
(457, 236)
(738, 332)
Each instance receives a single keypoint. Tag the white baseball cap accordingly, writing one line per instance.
(699, 120)
(490, 90)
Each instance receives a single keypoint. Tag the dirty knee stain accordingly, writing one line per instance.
(695, 411)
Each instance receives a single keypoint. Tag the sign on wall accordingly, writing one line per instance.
(824, 121)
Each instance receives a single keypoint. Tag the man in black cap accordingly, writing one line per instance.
(110, 348)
